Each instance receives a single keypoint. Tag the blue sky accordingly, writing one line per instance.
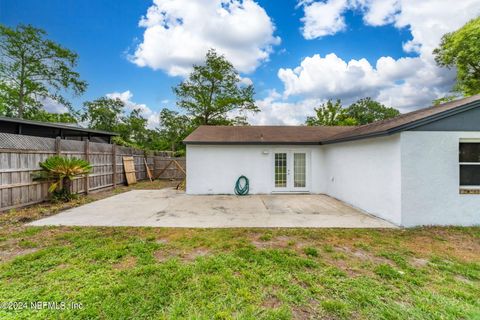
(297, 54)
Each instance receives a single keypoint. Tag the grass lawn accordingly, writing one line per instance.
(145, 273)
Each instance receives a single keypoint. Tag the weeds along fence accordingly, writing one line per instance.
(20, 156)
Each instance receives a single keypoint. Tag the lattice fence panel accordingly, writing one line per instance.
(19, 142)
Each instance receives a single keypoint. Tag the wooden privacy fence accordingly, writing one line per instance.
(20, 155)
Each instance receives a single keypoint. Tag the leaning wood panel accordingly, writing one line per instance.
(129, 167)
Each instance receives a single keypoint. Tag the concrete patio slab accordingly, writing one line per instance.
(171, 208)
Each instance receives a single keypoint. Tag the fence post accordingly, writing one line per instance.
(87, 158)
(145, 163)
(154, 157)
(58, 145)
(132, 152)
(114, 165)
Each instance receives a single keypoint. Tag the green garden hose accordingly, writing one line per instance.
(242, 190)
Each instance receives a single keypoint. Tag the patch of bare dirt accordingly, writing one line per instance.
(463, 279)
(347, 267)
(195, 253)
(8, 243)
(7, 255)
(305, 312)
(272, 302)
(126, 263)
(363, 255)
(61, 266)
(163, 255)
(278, 242)
(161, 241)
(418, 262)
(446, 243)
(352, 261)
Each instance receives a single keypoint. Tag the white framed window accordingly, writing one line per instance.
(469, 159)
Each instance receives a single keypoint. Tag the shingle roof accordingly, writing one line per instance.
(324, 134)
(262, 134)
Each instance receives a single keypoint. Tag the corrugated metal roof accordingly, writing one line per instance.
(56, 125)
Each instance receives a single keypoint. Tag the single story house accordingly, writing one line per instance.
(420, 168)
(68, 131)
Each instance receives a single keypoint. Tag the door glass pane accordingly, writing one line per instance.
(280, 170)
(299, 170)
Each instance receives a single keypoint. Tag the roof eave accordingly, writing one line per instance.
(251, 143)
(58, 126)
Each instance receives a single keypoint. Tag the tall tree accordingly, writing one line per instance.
(174, 127)
(103, 113)
(109, 115)
(133, 128)
(32, 69)
(366, 110)
(213, 90)
(461, 49)
(330, 114)
(361, 112)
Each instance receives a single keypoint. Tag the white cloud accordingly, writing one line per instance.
(323, 18)
(332, 77)
(329, 75)
(126, 96)
(405, 83)
(379, 12)
(53, 106)
(275, 111)
(178, 33)
(427, 20)
(246, 81)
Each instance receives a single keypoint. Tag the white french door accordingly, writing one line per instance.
(291, 171)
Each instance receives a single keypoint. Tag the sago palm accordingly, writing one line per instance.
(62, 170)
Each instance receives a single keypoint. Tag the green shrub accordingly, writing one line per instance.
(61, 171)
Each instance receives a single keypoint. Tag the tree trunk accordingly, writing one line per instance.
(20, 105)
(21, 92)
(67, 186)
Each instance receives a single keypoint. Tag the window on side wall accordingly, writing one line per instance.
(469, 158)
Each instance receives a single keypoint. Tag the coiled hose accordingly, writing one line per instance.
(241, 189)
